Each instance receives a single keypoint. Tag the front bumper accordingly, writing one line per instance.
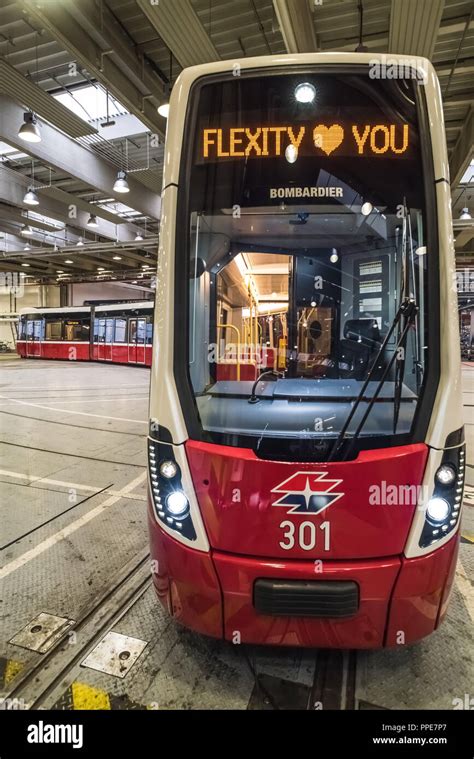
(400, 600)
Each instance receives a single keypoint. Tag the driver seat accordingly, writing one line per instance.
(358, 348)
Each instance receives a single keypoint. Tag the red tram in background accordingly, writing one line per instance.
(120, 333)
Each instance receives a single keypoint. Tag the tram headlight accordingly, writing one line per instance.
(168, 469)
(437, 510)
(177, 504)
(445, 475)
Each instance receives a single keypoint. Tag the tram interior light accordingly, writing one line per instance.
(305, 92)
(291, 153)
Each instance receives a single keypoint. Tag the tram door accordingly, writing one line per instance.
(34, 335)
(100, 337)
(109, 338)
(136, 341)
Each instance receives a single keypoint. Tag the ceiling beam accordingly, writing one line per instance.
(296, 24)
(414, 27)
(13, 186)
(464, 231)
(14, 84)
(13, 214)
(463, 151)
(90, 33)
(67, 198)
(60, 151)
(181, 30)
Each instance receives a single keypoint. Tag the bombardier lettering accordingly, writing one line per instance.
(306, 192)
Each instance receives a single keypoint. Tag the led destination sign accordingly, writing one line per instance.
(389, 140)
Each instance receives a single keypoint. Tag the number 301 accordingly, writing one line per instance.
(305, 536)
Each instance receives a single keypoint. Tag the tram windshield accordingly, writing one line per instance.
(305, 232)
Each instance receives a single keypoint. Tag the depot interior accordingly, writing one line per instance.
(84, 89)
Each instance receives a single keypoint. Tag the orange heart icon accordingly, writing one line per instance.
(328, 138)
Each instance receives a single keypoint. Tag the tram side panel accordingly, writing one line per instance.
(119, 340)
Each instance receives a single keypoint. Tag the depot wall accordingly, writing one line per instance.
(16, 295)
(80, 292)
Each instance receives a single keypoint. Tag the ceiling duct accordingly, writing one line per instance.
(188, 40)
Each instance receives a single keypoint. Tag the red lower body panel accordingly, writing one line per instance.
(81, 351)
(401, 600)
(421, 595)
(365, 630)
(186, 583)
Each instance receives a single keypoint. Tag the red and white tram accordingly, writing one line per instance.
(119, 333)
(306, 445)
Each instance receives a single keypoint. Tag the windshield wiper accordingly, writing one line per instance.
(407, 311)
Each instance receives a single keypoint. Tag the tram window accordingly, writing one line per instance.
(109, 330)
(38, 329)
(251, 315)
(29, 329)
(76, 331)
(141, 332)
(54, 330)
(21, 329)
(120, 330)
(99, 331)
(133, 331)
(149, 333)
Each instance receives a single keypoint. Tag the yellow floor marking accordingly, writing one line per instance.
(86, 697)
(470, 538)
(12, 669)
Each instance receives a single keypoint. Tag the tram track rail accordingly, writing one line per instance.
(69, 424)
(40, 683)
(73, 455)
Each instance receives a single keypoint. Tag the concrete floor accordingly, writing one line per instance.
(73, 484)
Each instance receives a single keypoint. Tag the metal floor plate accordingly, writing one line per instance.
(42, 632)
(115, 654)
